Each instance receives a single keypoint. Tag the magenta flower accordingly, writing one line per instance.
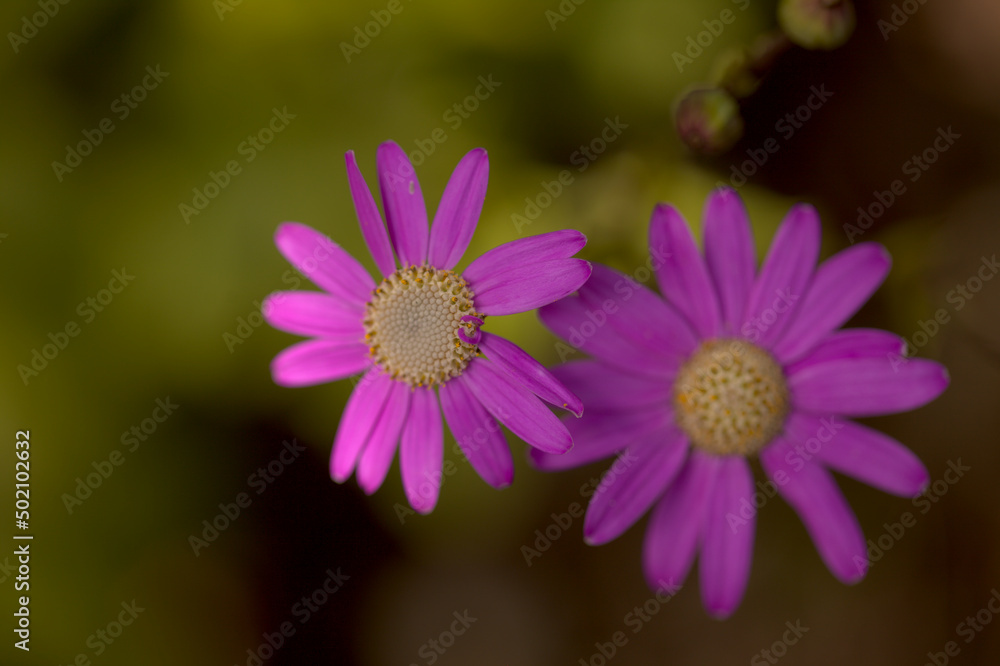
(732, 363)
(417, 335)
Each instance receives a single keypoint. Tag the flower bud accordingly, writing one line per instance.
(817, 24)
(708, 120)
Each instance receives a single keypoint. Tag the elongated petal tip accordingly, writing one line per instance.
(575, 408)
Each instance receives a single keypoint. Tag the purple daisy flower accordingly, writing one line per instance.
(417, 335)
(732, 363)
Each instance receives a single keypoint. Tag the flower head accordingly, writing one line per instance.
(417, 334)
(730, 363)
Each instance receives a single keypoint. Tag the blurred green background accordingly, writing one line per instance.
(223, 70)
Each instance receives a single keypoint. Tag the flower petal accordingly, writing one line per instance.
(859, 452)
(729, 254)
(527, 251)
(638, 313)
(727, 545)
(681, 272)
(529, 286)
(828, 518)
(458, 212)
(851, 343)
(515, 407)
(404, 204)
(372, 226)
(784, 276)
(360, 415)
(597, 436)
(314, 314)
(575, 322)
(378, 455)
(840, 286)
(421, 452)
(328, 265)
(638, 477)
(604, 388)
(314, 362)
(676, 522)
(523, 368)
(867, 386)
(477, 433)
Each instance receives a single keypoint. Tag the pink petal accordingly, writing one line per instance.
(784, 277)
(729, 254)
(840, 286)
(638, 314)
(458, 212)
(676, 523)
(315, 314)
(477, 434)
(638, 477)
(681, 272)
(851, 343)
(378, 455)
(597, 436)
(314, 362)
(356, 423)
(529, 286)
(814, 495)
(421, 453)
(583, 327)
(859, 452)
(404, 204)
(372, 226)
(866, 386)
(328, 265)
(515, 407)
(525, 251)
(530, 373)
(727, 544)
(603, 388)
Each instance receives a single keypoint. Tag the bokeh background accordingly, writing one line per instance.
(186, 329)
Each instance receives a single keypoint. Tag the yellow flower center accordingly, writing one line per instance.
(421, 326)
(730, 397)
